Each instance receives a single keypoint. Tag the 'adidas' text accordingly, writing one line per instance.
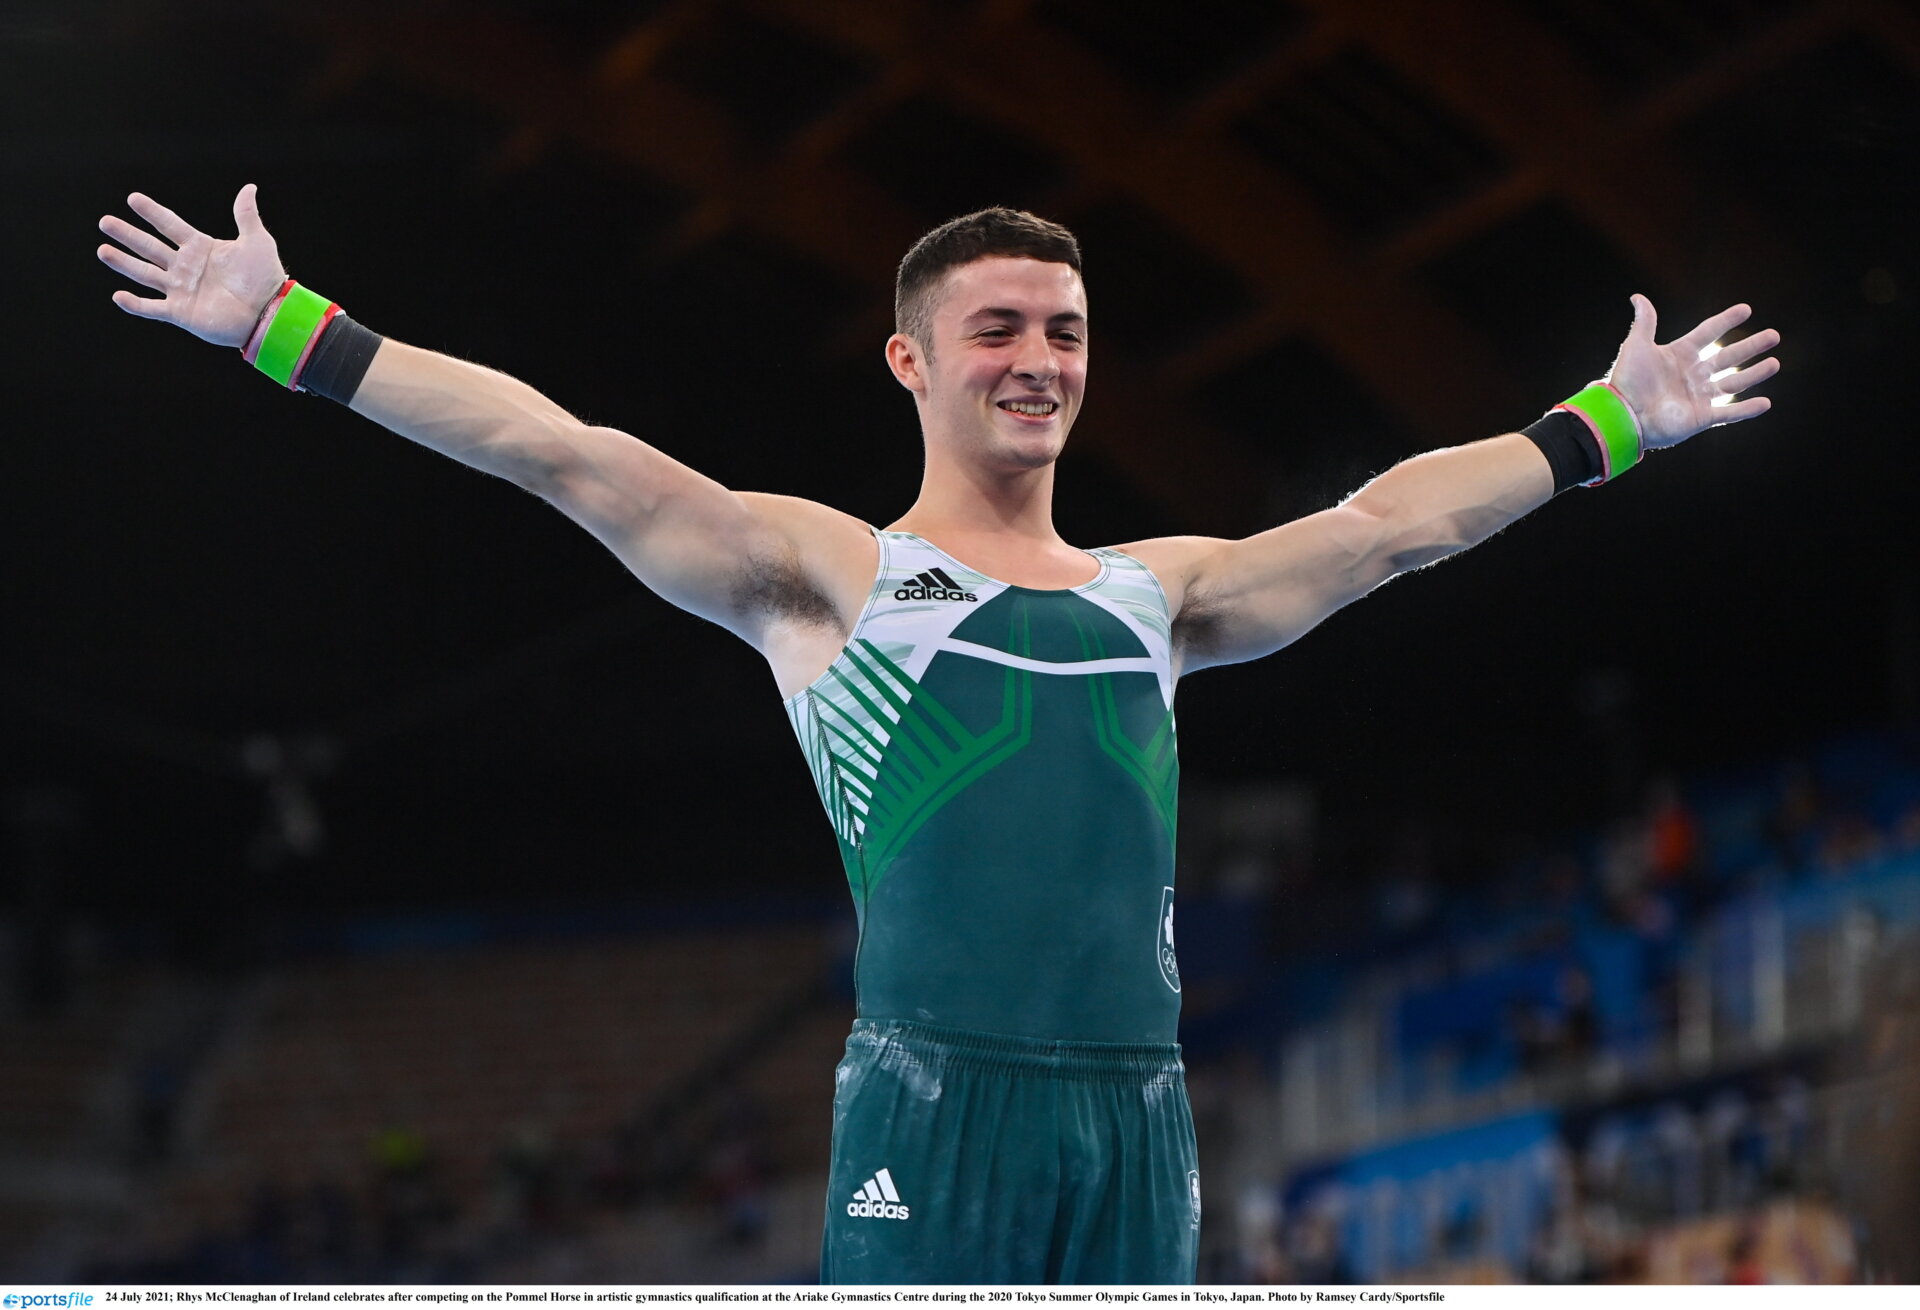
(934, 584)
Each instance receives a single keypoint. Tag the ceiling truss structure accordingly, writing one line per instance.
(1526, 113)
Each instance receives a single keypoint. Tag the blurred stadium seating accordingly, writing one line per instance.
(1619, 1060)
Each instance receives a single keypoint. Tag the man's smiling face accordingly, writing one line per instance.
(1008, 367)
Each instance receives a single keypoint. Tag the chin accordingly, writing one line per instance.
(1029, 457)
(1027, 451)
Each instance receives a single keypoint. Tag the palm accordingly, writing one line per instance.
(1674, 392)
(214, 289)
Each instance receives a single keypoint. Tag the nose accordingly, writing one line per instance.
(1035, 362)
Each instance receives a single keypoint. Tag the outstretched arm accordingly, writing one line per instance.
(218, 289)
(700, 545)
(1238, 600)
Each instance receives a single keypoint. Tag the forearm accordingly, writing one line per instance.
(477, 415)
(1444, 501)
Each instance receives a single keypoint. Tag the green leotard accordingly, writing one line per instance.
(999, 765)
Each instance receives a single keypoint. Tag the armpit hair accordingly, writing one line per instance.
(775, 587)
(1197, 628)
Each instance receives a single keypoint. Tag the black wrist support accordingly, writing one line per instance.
(340, 360)
(1568, 444)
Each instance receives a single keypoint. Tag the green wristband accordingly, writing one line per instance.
(1606, 411)
(287, 336)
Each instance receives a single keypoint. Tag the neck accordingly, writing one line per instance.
(962, 500)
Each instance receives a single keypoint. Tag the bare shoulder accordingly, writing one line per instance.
(1180, 563)
(1176, 562)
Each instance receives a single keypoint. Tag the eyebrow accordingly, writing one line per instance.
(997, 311)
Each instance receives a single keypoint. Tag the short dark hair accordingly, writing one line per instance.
(1012, 233)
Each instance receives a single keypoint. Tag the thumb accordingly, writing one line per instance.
(246, 211)
(1644, 319)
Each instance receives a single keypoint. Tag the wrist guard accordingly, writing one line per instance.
(305, 342)
(1590, 438)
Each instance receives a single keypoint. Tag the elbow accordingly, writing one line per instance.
(1409, 561)
(1430, 548)
(1384, 542)
(1404, 537)
(1418, 545)
(551, 462)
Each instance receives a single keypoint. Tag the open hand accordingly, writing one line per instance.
(1673, 390)
(214, 289)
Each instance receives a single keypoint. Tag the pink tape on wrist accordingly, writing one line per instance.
(300, 365)
(1639, 432)
(251, 350)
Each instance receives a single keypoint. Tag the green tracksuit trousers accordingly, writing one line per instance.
(963, 1157)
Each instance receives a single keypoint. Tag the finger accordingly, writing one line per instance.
(169, 224)
(144, 244)
(1734, 383)
(1710, 331)
(1735, 353)
(246, 211)
(1744, 409)
(127, 266)
(140, 306)
(1644, 319)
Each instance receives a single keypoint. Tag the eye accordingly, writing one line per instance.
(1071, 338)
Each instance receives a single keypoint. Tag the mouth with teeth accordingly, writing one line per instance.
(1032, 411)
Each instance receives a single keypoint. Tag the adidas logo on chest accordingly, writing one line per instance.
(934, 584)
(877, 1200)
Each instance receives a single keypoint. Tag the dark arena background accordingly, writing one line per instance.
(392, 889)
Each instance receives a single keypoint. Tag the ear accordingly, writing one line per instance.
(903, 357)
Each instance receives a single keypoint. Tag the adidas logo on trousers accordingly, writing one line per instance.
(877, 1200)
